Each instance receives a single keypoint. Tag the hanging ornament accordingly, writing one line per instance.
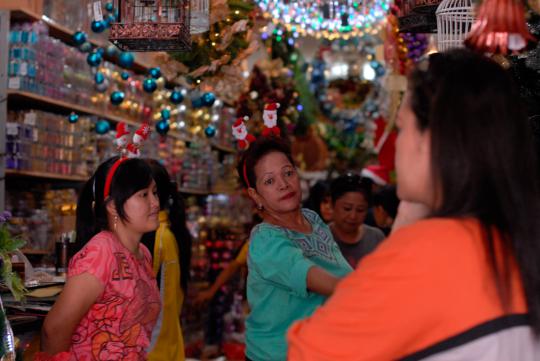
(102, 88)
(197, 103)
(162, 127)
(117, 97)
(86, 47)
(101, 51)
(109, 19)
(208, 99)
(98, 26)
(73, 118)
(109, 7)
(176, 97)
(79, 38)
(94, 59)
(149, 85)
(99, 77)
(155, 72)
(124, 75)
(160, 82)
(210, 131)
(103, 126)
(126, 60)
(165, 114)
(111, 51)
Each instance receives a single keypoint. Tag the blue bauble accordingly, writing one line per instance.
(210, 131)
(103, 126)
(208, 99)
(79, 38)
(94, 59)
(101, 51)
(117, 97)
(165, 114)
(86, 47)
(162, 127)
(155, 72)
(149, 85)
(111, 51)
(125, 75)
(99, 77)
(109, 19)
(126, 60)
(176, 97)
(73, 118)
(197, 103)
(109, 7)
(98, 26)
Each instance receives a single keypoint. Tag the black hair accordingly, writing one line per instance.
(257, 150)
(171, 200)
(349, 182)
(317, 194)
(483, 161)
(387, 198)
(130, 177)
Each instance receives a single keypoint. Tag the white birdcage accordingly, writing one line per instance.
(454, 21)
(200, 16)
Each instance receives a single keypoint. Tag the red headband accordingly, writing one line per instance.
(110, 175)
(245, 175)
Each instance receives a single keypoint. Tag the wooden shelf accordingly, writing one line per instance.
(198, 192)
(223, 148)
(44, 175)
(31, 251)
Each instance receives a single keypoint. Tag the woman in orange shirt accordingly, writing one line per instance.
(464, 283)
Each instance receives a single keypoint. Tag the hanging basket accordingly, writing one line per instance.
(454, 21)
(152, 25)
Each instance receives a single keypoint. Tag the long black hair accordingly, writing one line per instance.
(171, 201)
(318, 193)
(483, 161)
(131, 176)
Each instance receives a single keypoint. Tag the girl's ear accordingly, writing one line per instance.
(111, 208)
(255, 197)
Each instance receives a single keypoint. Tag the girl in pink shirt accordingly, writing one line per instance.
(110, 302)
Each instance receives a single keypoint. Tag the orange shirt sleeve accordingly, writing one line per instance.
(424, 284)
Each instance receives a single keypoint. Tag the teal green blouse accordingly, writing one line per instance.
(278, 262)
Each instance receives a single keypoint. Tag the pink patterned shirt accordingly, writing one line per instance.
(119, 325)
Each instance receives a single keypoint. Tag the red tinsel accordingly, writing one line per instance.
(500, 27)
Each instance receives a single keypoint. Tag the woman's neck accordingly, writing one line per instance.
(348, 237)
(291, 220)
(130, 240)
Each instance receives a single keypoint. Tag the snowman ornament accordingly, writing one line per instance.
(241, 134)
(270, 120)
(122, 136)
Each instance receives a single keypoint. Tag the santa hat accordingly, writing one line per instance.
(121, 130)
(142, 133)
(240, 121)
(271, 106)
(377, 173)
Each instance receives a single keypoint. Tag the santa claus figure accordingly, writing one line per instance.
(133, 151)
(122, 136)
(141, 134)
(270, 120)
(240, 133)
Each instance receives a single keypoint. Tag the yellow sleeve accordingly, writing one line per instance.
(242, 256)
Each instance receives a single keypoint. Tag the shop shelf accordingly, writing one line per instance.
(199, 192)
(31, 251)
(44, 175)
(223, 148)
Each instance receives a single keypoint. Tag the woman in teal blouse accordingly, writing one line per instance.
(294, 263)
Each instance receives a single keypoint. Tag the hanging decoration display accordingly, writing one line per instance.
(176, 97)
(327, 18)
(73, 118)
(79, 38)
(98, 26)
(149, 85)
(99, 77)
(94, 59)
(208, 99)
(117, 97)
(124, 75)
(103, 127)
(210, 131)
(155, 73)
(126, 59)
(166, 114)
(163, 127)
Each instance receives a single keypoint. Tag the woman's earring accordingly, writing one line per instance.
(260, 207)
(115, 222)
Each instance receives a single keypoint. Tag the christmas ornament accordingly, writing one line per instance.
(270, 120)
(86, 47)
(149, 85)
(197, 103)
(73, 118)
(112, 51)
(98, 26)
(124, 75)
(141, 134)
(208, 99)
(162, 127)
(79, 38)
(102, 127)
(165, 114)
(133, 151)
(122, 135)
(102, 87)
(101, 51)
(126, 59)
(176, 97)
(109, 19)
(241, 134)
(117, 97)
(99, 77)
(94, 59)
(377, 173)
(109, 7)
(155, 72)
(210, 131)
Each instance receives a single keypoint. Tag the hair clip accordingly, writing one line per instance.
(241, 134)
(270, 120)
